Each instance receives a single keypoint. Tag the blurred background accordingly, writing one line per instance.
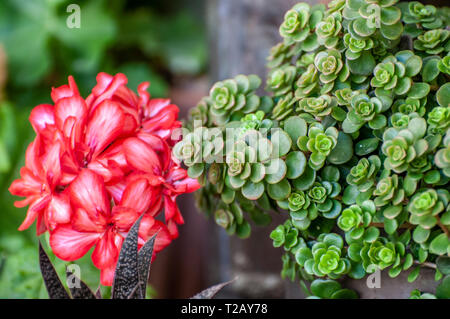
(160, 41)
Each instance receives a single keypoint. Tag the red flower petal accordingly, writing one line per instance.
(104, 127)
(65, 90)
(41, 116)
(107, 275)
(59, 210)
(35, 209)
(69, 244)
(124, 217)
(65, 108)
(137, 195)
(88, 191)
(106, 252)
(141, 156)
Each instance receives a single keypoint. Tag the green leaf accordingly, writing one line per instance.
(419, 90)
(296, 164)
(420, 235)
(305, 181)
(253, 191)
(281, 142)
(295, 126)
(443, 264)
(343, 151)
(243, 230)
(345, 294)
(430, 70)
(439, 245)
(275, 171)
(364, 65)
(279, 191)
(443, 95)
(443, 290)
(324, 288)
(414, 274)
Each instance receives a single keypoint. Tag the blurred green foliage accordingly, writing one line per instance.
(153, 40)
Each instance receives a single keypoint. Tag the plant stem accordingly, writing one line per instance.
(426, 264)
(443, 227)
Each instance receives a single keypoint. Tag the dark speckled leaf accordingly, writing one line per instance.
(82, 292)
(212, 291)
(126, 276)
(144, 264)
(52, 282)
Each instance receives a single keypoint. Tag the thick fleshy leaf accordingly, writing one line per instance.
(52, 282)
(126, 277)
(81, 292)
(144, 263)
(211, 292)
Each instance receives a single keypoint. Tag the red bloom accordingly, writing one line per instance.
(99, 163)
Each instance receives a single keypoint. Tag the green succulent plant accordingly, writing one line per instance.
(415, 12)
(351, 147)
(317, 106)
(363, 175)
(444, 65)
(280, 80)
(331, 67)
(324, 258)
(328, 30)
(308, 82)
(442, 157)
(234, 95)
(320, 143)
(364, 110)
(395, 72)
(433, 41)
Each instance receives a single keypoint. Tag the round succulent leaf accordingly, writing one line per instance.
(330, 173)
(343, 151)
(275, 171)
(350, 194)
(443, 264)
(443, 290)
(392, 32)
(334, 211)
(363, 65)
(295, 127)
(366, 146)
(243, 230)
(196, 170)
(279, 191)
(281, 142)
(414, 274)
(440, 244)
(228, 195)
(419, 90)
(420, 234)
(296, 164)
(443, 95)
(430, 70)
(306, 180)
(345, 294)
(324, 288)
(390, 226)
(258, 172)
(253, 191)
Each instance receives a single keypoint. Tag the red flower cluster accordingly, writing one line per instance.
(99, 163)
